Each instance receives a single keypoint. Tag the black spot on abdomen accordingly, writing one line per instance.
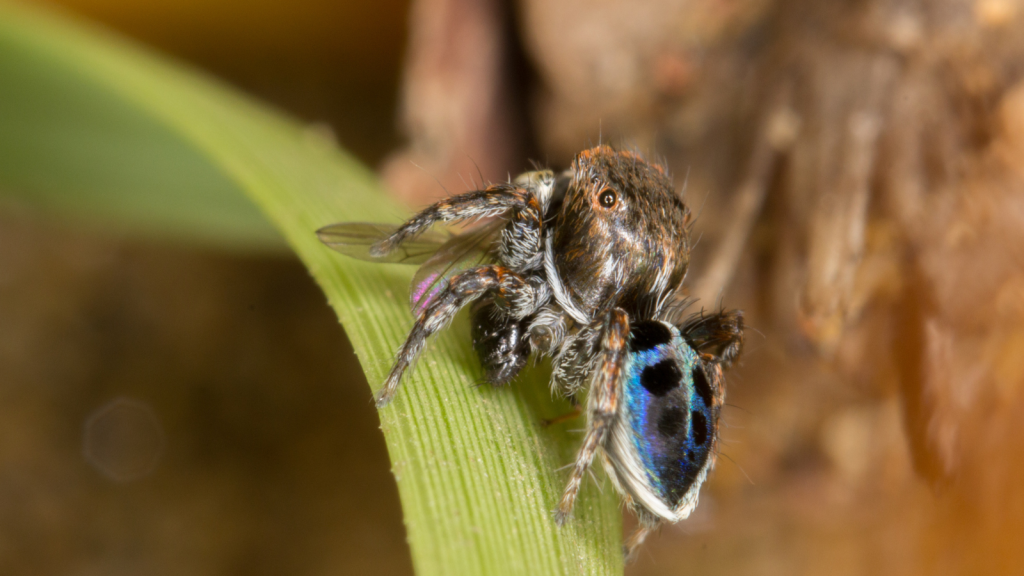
(671, 421)
(700, 427)
(647, 335)
(661, 378)
(701, 385)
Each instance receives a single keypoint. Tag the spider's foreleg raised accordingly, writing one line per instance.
(602, 404)
(491, 201)
(516, 295)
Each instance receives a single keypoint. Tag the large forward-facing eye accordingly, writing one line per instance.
(607, 198)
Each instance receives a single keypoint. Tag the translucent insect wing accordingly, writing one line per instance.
(354, 239)
(459, 253)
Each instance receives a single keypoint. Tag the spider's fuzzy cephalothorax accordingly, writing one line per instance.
(581, 266)
(620, 238)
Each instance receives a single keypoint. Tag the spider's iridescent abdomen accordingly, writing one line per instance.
(661, 446)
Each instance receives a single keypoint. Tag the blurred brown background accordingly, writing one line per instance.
(165, 410)
(856, 170)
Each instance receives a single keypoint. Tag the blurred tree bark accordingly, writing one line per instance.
(463, 102)
(858, 164)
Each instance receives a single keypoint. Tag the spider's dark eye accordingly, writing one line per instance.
(607, 198)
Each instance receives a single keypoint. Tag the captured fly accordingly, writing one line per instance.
(583, 266)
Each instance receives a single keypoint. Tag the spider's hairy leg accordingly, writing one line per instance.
(491, 201)
(719, 334)
(602, 404)
(648, 524)
(507, 287)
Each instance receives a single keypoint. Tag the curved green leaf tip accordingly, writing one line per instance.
(476, 471)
